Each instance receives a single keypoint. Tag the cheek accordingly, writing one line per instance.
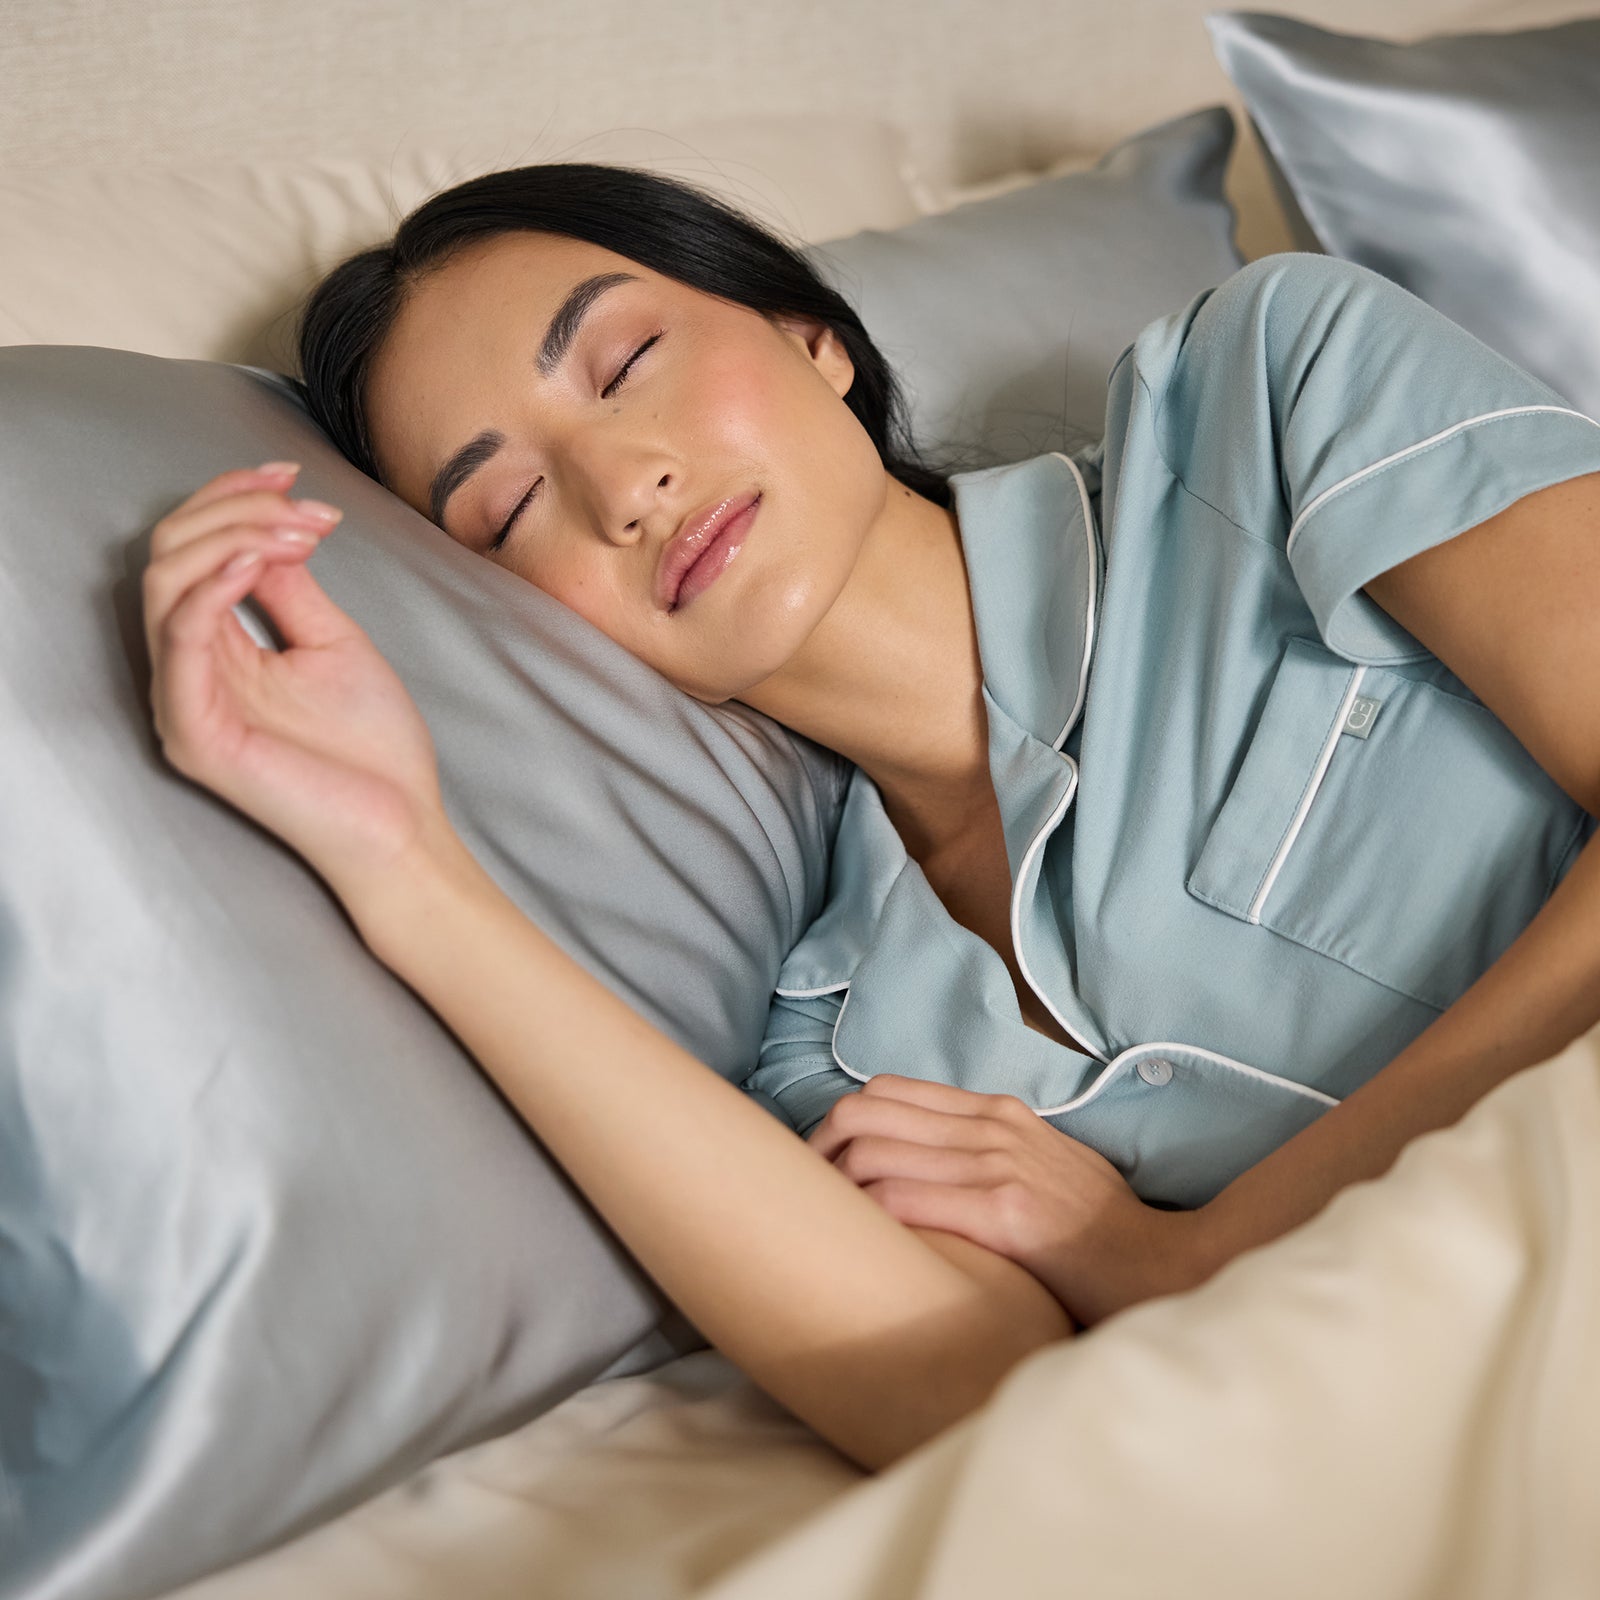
(767, 407)
(747, 400)
(573, 581)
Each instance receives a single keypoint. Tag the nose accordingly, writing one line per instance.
(629, 487)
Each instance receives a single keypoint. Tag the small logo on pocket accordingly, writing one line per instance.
(1362, 715)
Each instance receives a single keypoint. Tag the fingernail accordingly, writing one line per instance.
(245, 558)
(278, 468)
(318, 509)
(294, 536)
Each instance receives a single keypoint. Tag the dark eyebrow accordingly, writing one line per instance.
(459, 468)
(569, 316)
(553, 349)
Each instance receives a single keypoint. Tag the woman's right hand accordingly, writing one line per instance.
(320, 742)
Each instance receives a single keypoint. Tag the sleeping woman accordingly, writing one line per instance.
(1222, 795)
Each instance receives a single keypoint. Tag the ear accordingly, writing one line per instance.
(823, 347)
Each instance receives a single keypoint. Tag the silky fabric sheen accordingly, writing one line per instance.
(1003, 317)
(1242, 890)
(1465, 167)
(268, 1239)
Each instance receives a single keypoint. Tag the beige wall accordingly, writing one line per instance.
(979, 87)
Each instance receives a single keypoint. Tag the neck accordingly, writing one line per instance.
(891, 678)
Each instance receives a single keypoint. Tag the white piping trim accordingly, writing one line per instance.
(1060, 739)
(1034, 845)
(1094, 586)
(1053, 820)
(1133, 1052)
(1282, 855)
(833, 1038)
(1487, 416)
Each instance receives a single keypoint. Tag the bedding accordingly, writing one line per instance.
(1005, 315)
(643, 1487)
(1397, 1401)
(1462, 166)
(1003, 312)
(268, 1239)
(220, 1456)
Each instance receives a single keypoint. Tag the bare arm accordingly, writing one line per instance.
(877, 1334)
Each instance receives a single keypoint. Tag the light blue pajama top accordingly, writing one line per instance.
(1259, 836)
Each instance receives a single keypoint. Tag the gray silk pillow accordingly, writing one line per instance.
(1464, 167)
(1005, 316)
(268, 1239)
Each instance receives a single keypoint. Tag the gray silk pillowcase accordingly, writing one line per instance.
(1004, 317)
(1464, 167)
(268, 1239)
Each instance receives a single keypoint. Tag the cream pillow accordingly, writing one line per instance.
(212, 263)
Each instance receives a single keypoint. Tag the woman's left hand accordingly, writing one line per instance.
(988, 1167)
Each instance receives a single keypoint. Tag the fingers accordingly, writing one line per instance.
(252, 495)
(948, 1098)
(912, 1108)
(300, 608)
(171, 575)
(169, 578)
(194, 619)
(272, 474)
(852, 1116)
(868, 1159)
(238, 511)
(970, 1212)
(261, 508)
(184, 685)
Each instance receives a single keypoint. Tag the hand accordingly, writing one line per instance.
(988, 1167)
(319, 742)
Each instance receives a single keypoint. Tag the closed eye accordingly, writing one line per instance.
(622, 376)
(505, 532)
(605, 394)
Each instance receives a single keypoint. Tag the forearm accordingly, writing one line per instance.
(1539, 996)
(843, 1314)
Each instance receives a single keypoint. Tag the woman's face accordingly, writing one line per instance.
(666, 402)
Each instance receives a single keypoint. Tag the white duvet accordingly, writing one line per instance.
(1401, 1398)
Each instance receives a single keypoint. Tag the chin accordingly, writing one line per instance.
(765, 628)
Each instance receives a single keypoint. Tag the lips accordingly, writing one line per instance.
(687, 545)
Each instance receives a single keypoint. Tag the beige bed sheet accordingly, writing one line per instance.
(1399, 1399)
(639, 1488)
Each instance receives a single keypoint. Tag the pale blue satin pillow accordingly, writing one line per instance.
(1464, 167)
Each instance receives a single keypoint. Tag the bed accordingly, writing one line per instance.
(1397, 1399)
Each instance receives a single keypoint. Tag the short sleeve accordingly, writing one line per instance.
(1329, 411)
(1417, 497)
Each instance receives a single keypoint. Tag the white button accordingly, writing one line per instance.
(1155, 1070)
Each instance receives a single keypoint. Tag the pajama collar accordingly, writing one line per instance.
(925, 995)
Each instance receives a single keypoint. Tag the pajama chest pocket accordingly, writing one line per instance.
(1386, 823)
